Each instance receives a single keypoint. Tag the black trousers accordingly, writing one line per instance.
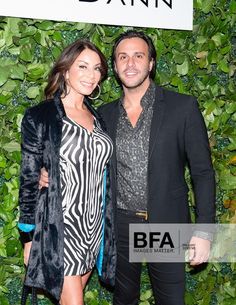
(167, 279)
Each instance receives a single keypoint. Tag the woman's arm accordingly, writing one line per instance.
(31, 153)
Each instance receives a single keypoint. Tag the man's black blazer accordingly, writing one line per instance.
(178, 138)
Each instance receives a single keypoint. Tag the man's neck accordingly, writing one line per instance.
(133, 96)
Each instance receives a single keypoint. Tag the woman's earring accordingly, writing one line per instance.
(97, 96)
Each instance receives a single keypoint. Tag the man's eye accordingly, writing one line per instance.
(139, 56)
(122, 57)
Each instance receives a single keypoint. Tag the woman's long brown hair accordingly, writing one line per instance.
(56, 80)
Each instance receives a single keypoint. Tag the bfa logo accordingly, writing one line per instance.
(158, 239)
(132, 2)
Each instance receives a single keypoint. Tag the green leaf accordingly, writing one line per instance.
(160, 47)
(45, 25)
(40, 38)
(206, 6)
(57, 36)
(14, 51)
(225, 50)
(189, 298)
(224, 66)
(56, 52)
(201, 39)
(80, 26)
(3, 251)
(87, 28)
(209, 106)
(231, 108)
(2, 43)
(12, 247)
(179, 58)
(11, 146)
(3, 299)
(144, 303)
(10, 85)
(4, 75)
(91, 294)
(218, 39)
(11, 171)
(230, 289)
(28, 31)
(26, 53)
(225, 117)
(232, 7)
(3, 162)
(17, 72)
(230, 301)
(232, 145)
(36, 71)
(227, 181)
(32, 92)
(183, 69)
(5, 215)
(146, 295)
(5, 62)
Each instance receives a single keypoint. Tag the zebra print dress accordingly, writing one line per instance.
(83, 157)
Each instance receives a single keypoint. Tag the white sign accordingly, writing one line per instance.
(168, 14)
(167, 242)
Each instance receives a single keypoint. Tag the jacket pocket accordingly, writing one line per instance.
(179, 192)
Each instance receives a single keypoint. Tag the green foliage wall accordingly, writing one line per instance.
(201, 63)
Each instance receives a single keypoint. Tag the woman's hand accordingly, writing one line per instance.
(27, 247)
(43, 179)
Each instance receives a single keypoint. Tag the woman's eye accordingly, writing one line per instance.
(82, 67)
(98, 69)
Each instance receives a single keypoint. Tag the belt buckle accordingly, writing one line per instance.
(144, 214)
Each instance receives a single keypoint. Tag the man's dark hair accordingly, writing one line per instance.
(136, 34)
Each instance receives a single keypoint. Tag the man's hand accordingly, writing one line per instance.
(43, 180)
(199, 251)
(27, 247)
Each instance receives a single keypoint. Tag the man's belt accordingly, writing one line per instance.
(140, 213)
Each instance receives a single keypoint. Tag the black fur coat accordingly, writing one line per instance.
(41, 140)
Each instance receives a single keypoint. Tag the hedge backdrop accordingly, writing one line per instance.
(201, 63)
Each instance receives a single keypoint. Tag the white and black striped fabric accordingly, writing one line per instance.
(83, 157)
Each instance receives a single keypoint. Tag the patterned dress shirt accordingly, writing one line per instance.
(132, 145)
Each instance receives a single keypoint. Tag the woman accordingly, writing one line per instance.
(61, 226)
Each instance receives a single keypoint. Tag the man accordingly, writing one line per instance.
(156, 133)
